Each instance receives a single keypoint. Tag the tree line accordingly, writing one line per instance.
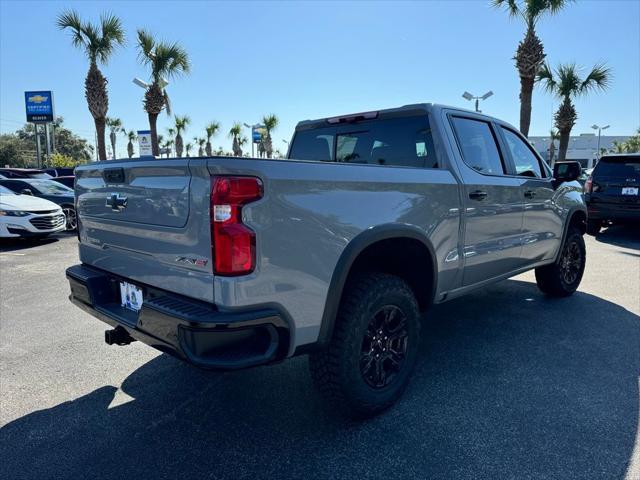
(164, 60)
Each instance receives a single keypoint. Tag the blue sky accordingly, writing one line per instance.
(304, 60)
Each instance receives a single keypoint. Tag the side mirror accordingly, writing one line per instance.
(566, 171)
(26, 191)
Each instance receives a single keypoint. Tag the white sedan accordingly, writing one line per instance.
(28, 216)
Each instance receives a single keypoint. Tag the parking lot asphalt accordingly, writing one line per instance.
(510, 384)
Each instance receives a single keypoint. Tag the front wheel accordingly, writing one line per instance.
(561, 279)
(70, 215)
(375, 343)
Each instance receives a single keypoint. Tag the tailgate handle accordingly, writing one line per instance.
(113, 175)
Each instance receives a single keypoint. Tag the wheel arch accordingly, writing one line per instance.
(367, 245)
(577, 217)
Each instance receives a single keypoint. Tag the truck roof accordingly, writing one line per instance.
(405, 110)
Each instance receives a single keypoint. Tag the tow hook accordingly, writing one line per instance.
(118, 336)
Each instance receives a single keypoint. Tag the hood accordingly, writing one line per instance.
(26, 202)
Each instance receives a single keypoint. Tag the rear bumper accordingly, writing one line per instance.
(609, 211)
(191, 330)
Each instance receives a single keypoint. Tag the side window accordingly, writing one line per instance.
(478, 145)
(526, 162)
(403, 142)
(312, 145)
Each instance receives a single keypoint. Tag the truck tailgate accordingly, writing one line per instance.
(148, 221)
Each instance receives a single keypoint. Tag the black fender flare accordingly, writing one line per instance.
(565, 228)
(356, 246)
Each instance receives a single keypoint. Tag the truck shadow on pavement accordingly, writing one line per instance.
(621, 235)
(510, 384)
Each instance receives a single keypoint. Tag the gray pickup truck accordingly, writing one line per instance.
(335, 252)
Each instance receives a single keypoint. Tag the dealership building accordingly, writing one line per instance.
(582, 148)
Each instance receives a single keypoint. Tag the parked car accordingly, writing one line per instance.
(67, 181)
(24, 173)
(49, 190)
(60, 171)
(612, 192)
(335, 252)
(584, 176)
(27, 216)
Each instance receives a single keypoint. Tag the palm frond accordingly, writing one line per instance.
(547, 78)
(511, 6)
(270, 122)
(70, 19)
(599, 78)
(146, 44)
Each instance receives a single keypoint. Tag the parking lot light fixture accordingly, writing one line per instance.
(596, 127)
(468, 96)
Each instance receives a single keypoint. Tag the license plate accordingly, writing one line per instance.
(629, 190)
(130, 296)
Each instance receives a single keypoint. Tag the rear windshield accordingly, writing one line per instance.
(618, 167)
(405, 142)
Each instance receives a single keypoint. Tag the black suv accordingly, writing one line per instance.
(612, 192)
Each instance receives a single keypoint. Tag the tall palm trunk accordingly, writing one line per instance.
(565, 119)
(552, 152)
(268, 145)
(529, 58)
(153, 122)
(95, 90)
(130, 149)
(112, 137)
(154, 101)
(200, 151)
(208, 148)
(179, 145)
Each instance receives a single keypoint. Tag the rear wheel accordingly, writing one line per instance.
(593, 227)
(369, 360)
(562, 278)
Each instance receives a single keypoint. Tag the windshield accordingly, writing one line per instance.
(48, 187)
(618, 167)
(5, 191)
(39, 175)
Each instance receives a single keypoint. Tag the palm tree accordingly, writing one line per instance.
(565, 83)
(211, 130)
(168, 145)
(553, 136)
(270, 123)
(164, 60)
(200, 142)
(181, 125)
(530, 53)
(234, 133)
(99, 42)
(187, 148)
(115, 125)
(131, 136)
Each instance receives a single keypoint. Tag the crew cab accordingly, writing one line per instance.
(336, 252)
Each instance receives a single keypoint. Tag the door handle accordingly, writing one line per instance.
(529, 194)
(477, 195)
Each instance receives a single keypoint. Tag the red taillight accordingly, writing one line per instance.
(233, 243)
(588, 185)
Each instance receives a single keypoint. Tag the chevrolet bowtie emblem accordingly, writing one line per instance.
(116, 202)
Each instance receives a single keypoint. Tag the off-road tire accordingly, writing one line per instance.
(337, 370)
(560, 279)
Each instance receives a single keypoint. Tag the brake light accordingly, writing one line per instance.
(588, 185)
(233, 243)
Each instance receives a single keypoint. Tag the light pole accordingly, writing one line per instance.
(467, 96)
(596, 127)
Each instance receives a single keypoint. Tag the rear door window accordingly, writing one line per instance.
(478, 145)
(401, 142)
